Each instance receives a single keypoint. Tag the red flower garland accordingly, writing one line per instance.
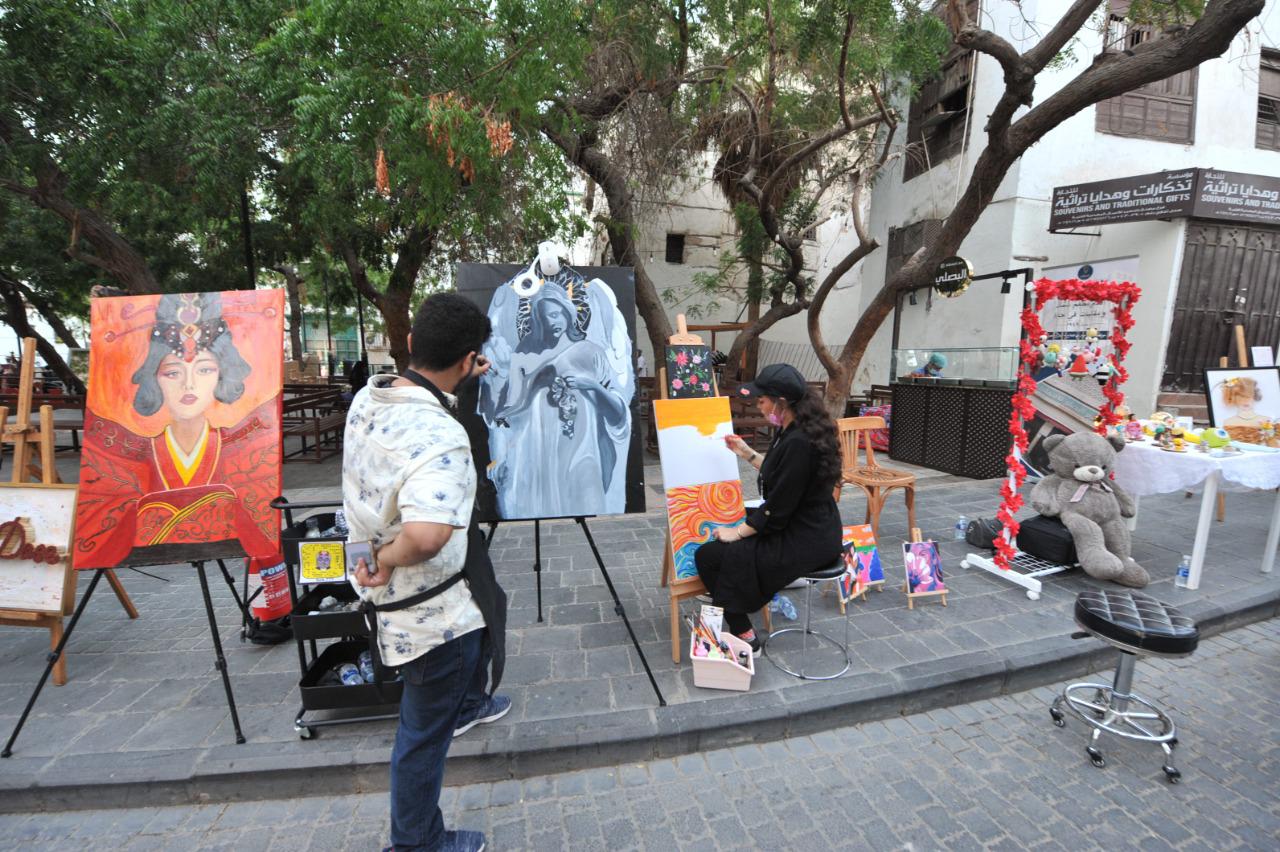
(1123, 295)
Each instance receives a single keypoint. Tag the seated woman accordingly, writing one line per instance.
(797, 528)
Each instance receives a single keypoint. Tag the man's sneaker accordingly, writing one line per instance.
(751, 637)
(463, 841)
(493, 709)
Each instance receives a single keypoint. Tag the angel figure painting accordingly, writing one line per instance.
(557, 404)
(181, 450)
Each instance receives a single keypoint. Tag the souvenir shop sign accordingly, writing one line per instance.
(953, 276)
(1199, 193)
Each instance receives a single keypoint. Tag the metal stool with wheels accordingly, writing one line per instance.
(1135, 625)
(812, 579)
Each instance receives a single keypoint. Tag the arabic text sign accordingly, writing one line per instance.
(1129, 199)
(1238, 197)
(1203, 193)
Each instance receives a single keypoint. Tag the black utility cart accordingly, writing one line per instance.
(359, 703)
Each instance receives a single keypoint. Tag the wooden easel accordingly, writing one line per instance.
(682, 588)
(25, 437)
(906, 586)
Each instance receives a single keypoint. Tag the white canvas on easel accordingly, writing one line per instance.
(36, 516)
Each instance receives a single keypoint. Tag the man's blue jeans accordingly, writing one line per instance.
(437, 686)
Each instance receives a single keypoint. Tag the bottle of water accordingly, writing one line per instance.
(782, 605)
(340, 523)
(365, 663)
(962, 526)
(350, 674)
(1184, 572)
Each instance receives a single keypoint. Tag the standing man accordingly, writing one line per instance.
(408, 487)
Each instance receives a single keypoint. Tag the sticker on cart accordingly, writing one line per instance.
(322, 561)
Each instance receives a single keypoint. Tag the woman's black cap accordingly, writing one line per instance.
(777, 380)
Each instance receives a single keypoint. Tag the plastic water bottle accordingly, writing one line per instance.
(782, 605)
(365, 663)
(1184, 572)
(962, 526)
(340, 523)
(350, 675)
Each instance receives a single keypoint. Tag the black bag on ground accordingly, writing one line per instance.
(983, 532)
(1047, 539)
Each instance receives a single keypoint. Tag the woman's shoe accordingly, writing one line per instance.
(752, 639)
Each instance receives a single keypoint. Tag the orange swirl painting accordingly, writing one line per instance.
(693, 511)
(181, 450)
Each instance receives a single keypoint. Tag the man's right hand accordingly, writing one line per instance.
(367, 580)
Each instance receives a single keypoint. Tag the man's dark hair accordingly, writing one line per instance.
(446, 327)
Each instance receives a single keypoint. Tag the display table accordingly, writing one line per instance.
(1144, 469)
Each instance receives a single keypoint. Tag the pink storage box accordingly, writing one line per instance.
(723, 674)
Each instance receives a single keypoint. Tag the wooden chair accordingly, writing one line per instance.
(875, 481)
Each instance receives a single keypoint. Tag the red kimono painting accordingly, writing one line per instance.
(181, 452)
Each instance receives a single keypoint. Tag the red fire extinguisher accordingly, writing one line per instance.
(269, 575)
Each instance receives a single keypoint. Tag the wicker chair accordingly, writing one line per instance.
(875, 481)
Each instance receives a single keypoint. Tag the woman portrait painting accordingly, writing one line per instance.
(181, 450)
(1242, 394)
(557, 401)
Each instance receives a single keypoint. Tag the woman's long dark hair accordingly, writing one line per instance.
(813, 419)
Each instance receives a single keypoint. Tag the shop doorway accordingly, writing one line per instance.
(1230, 275)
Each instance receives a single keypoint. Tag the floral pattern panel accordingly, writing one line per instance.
(689, 372)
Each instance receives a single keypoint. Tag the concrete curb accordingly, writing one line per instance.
(234, 773)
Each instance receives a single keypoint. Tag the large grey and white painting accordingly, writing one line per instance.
(557, 402)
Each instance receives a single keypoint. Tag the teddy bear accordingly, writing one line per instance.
(1080, 493)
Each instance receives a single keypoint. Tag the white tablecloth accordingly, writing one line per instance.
(1144, 469)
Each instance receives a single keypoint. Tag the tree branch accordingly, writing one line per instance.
(1068, 25)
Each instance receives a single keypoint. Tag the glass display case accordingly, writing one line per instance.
(984, 366)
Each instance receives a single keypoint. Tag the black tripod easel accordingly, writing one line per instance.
(220, 662)
(581, 521)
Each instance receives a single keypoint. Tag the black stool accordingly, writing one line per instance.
(1136, 625)
(812, 579)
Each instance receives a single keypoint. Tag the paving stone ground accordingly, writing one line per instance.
(144, 703)
(993, 775)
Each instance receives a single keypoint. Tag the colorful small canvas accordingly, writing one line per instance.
(693, 511)
(689, 372)
(923, 566)
(862, 561)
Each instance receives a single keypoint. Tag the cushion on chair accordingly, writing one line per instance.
(1136, 621)
(832, 571)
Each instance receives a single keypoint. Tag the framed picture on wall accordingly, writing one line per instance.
(1243, 400)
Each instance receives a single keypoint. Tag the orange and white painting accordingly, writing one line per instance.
(699, 473)
(181, 450)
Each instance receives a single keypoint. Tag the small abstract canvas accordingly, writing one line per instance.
(693, 511)
(862, 562)
(691, 446)
(923, 566)
(689, 373)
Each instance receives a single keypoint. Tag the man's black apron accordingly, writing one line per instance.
(477, 570)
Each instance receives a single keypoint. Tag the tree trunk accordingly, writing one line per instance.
(396, 315)
(43, 308)
(779, 311)
(16, 311)
(755, 289)
(113, 253)
(621, 226)
(246, 233)
(293, 291)
(1109, 75)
